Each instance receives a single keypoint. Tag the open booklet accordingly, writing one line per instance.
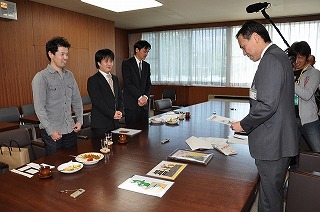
(220, 144)
(126, 131)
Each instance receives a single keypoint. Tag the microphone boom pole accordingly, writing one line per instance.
(268, 17)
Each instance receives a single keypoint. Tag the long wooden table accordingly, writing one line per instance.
(227, 183)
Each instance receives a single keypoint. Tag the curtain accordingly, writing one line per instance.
(212, 57)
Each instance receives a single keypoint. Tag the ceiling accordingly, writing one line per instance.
(179, 12)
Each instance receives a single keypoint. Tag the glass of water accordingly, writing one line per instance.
(104, 144)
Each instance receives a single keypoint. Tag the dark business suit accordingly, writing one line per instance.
(134, 88)
(271, 123)
(104, 103)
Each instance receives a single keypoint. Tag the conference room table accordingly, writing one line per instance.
(33, 119)
(226, 183)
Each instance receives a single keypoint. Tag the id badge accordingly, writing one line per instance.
(253, 93)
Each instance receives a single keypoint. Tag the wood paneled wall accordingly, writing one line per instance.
(122, 51)
(22, 47)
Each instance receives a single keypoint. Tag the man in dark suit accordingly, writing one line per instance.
(136, 84)
(270, 123)
(105, 94)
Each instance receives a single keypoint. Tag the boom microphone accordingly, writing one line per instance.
(257, 7)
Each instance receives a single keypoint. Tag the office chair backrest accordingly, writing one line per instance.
(86, 100)
(27, 110)
(9, 114)
(162, 104)
(169, 93)
(22, 136)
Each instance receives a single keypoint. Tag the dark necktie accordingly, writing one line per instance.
(140, 68)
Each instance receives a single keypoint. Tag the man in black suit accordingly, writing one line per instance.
(136, 84)
(105, 94)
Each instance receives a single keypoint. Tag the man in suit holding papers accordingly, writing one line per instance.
(270, 124)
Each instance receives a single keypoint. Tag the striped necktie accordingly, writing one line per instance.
(110, 81)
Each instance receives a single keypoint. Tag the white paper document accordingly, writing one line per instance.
(146, 185)
(238, 139)
(201, 143)
(126, 131)
(221, 119)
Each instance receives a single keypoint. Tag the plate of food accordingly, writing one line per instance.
(156, 120)
(70, 167)
(89, 158)
(172, 121)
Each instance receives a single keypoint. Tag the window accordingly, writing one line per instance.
(212, 57)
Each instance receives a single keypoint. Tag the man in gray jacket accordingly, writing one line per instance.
(55, 91)
(270, 124)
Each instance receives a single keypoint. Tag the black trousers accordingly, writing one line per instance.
(134, 116)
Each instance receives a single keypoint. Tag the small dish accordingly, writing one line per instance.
(172, 121)
(70, 167)
(156, 120)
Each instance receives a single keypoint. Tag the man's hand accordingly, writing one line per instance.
(77, 127)
(142, 101)
(56, 136)
(236, 126)
(117, 115)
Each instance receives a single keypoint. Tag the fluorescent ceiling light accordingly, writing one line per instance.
(123, 5)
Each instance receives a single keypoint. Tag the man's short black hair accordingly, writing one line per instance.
(249, 27)
(53, 44)
(102, 54)
(141, 44)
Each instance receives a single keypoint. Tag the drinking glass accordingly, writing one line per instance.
(104, 144)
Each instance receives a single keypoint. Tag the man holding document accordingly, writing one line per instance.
(270, 124)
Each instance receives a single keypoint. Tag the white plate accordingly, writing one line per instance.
(70, 167)
(156, 120)
(172, 121)
(83, 158)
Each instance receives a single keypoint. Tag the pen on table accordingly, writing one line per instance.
(165, 141)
